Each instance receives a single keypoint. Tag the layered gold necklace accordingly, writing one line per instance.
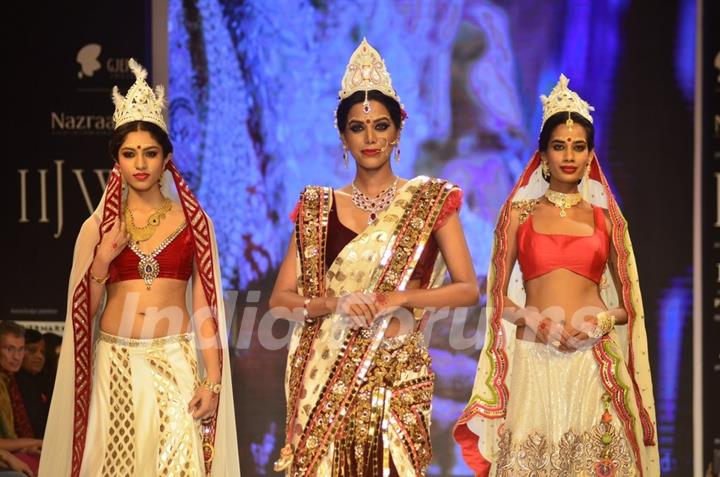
(563, 201)
(140, 234)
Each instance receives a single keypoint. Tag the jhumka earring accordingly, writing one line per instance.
(545, 170)
(346, 161)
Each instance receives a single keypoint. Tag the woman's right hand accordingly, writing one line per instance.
(359, 307)
(113, 242)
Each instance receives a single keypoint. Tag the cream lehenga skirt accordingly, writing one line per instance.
(139, 423)
(560, 421)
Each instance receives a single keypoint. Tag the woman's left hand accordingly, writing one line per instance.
(204, 403)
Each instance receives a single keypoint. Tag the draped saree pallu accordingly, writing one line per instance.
(359, 402)
(536, 411)
(112, 394)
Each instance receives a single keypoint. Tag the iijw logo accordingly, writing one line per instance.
(41, 192)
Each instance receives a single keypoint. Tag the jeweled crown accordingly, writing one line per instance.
(366, 71)
(563, 99)
(140, 103)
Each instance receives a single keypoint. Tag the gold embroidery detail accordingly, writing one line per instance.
(526, 207)
(574, 454)
(361, 445)
(120, 451)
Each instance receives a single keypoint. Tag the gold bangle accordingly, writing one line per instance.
(605, 324)
(214, 388)
(99, 281)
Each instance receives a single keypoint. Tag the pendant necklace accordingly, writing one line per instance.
(374, 205)
(563, 201)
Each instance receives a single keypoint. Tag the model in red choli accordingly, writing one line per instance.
(585, 255)
(174, 256)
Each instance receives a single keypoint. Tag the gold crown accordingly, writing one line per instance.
(563, 99)
(366, 71)
(140, 103)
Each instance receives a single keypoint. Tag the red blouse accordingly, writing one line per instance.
(175, 260)
(585, 255)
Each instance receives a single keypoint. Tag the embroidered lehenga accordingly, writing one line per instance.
(538, 411)
(358, 402)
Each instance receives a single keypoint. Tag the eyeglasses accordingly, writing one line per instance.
(12, 349)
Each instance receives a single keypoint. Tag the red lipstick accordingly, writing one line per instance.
(568, 169)
(370, 152)
(141, 176)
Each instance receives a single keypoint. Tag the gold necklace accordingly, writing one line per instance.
(563, 201)
(140, 234)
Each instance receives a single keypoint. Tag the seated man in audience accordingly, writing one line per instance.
(16, 433)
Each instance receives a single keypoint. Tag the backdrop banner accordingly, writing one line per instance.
(60, 142)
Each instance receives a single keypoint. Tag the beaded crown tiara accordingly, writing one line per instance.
(140, 103)
(563, 99)
(366, 71)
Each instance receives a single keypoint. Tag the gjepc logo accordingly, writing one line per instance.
(88, 59)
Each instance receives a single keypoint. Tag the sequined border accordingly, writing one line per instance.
(609, 363)
(413, 438)
(310, 237)
(356, 353)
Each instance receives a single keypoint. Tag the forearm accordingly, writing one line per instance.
(620, 314)
(295, 302)
(211, 349)
(17, 444)
(452, 295)
(98, 269)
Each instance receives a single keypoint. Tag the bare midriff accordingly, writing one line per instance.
(564, 297)
(133, 311)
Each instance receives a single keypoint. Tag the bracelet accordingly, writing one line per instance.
(99, 281)
(212, 387)
(306, 314)
(605, 324)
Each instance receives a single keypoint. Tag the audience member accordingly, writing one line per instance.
(34, 382)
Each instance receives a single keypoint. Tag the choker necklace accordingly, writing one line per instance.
(140, 234)
(563, 201)
(373, 204)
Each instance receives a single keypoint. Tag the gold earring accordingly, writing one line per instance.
(545, 170)
(586, 179)
(346, 161)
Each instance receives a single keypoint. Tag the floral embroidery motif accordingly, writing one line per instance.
(526, 207)
(574, 454)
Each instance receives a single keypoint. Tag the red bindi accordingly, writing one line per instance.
(569, 139)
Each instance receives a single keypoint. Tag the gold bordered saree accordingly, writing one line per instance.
(621, 357)
(358, 402)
